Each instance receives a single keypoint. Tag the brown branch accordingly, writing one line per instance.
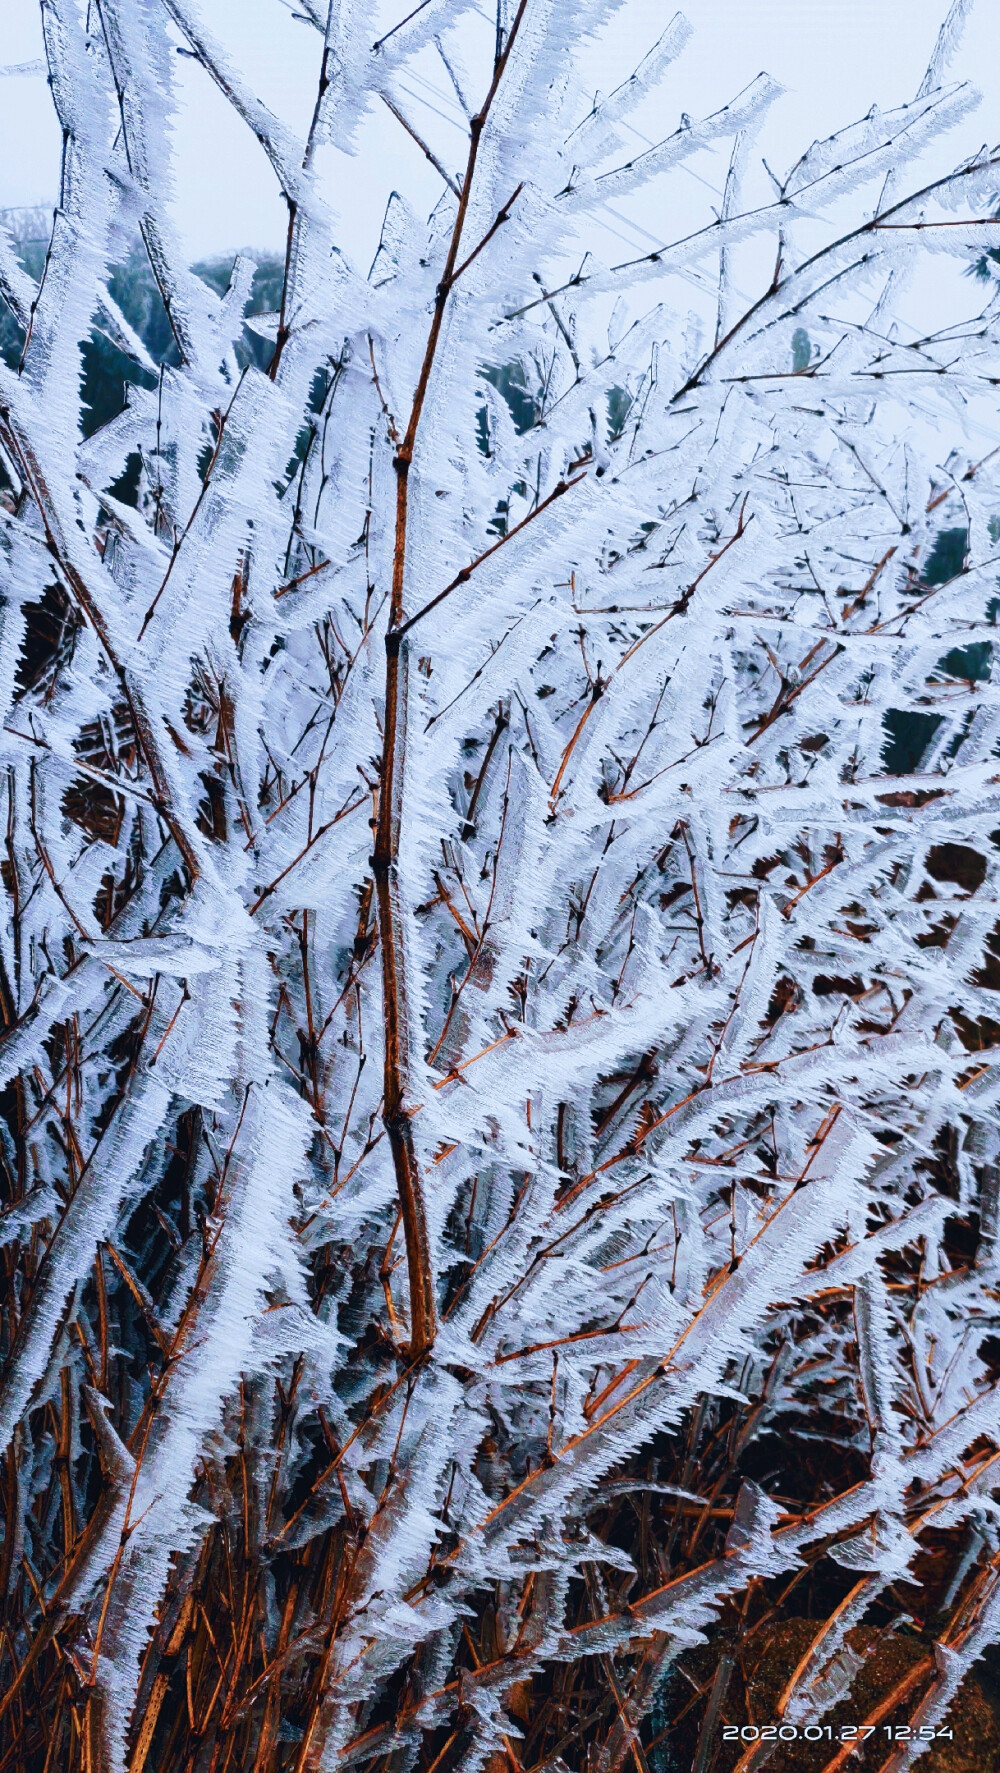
(423, 4)
(678, 608)
(789, 693)
(34, 479)
(462, 578)
(877, 224)
(181, 539)
(385, 861)
(421, 144)
(266, 892)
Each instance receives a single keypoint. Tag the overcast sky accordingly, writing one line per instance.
(834, 57)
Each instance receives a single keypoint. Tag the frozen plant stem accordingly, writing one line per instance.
(498, 989)
(397, 1106)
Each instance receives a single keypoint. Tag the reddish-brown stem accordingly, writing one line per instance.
(385, 860)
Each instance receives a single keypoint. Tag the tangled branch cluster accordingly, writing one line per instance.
(498, 1148)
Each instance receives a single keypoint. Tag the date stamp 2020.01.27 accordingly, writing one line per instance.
(830, 1733)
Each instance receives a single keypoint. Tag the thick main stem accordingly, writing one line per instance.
(395, 1114)
(395, 1108)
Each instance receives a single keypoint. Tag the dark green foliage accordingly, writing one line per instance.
(137, 294)
(107, 368)
(30, 229)
(981, 267)
(524, 406)
(619, 407)
(107, 373)
(801, 349)
(909, 736)
(909, 733)
(971, 663)
(946, 558)
(265, 298)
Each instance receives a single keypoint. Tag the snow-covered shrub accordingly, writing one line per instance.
(499, 1154)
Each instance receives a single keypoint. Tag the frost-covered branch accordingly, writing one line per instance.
(500, 801)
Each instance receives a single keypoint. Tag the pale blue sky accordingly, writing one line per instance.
(835, 57)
